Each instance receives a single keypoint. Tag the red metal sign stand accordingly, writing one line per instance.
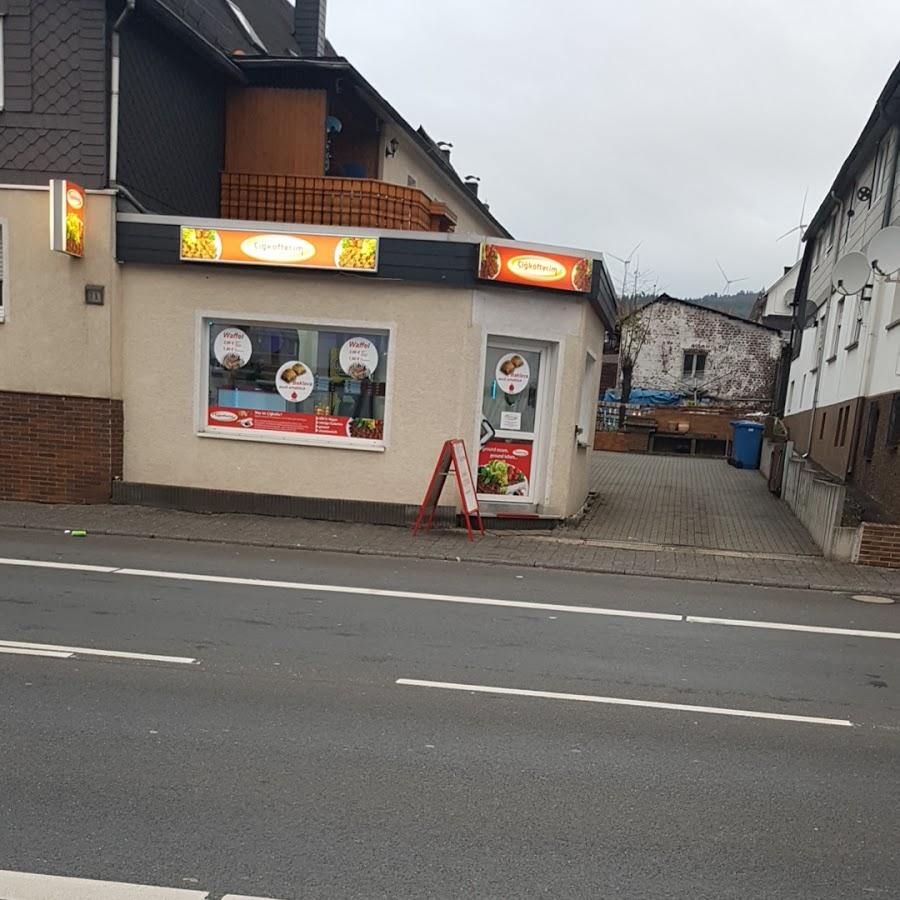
(453, 455)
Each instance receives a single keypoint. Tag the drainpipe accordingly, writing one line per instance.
(114, 93)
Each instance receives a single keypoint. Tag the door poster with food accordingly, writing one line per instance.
(67, 202)
(232, 349)
(504, 468)
(295, 381)
(513, 373)
(358, 358)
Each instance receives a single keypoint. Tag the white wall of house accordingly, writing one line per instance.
(780, 295)
(854, 351)
(411, 162)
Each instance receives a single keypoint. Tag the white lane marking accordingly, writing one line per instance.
(448, 598)
(783, 626)
(621, 701)
(48, 564)
(29, 886)
(27, 651)
(12, 646)
(403, 595)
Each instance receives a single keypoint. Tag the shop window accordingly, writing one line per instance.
(838, 324)
(296, 383)
(4, 265)
(893, 429)
(871, 431)
(694, 363)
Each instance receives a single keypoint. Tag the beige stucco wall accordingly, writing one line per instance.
(437, 346)
(51, 341)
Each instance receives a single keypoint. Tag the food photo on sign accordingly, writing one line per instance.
(504, 468)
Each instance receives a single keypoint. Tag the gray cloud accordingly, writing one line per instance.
(694, 126)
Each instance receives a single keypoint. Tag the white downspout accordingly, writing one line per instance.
(114, 93)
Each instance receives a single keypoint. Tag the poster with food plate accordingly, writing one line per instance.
(269, 420)
(252, 248)
(512, 373)
(504, 468)
(232, 348)
(358, 358)
(295, 381)
(538, 268)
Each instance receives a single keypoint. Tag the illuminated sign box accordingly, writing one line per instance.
(344, 253)
(67, 217)
(537, 268)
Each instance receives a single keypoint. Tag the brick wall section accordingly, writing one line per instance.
(56, 449)
(742, 356)
(880, 546)
(621, 441)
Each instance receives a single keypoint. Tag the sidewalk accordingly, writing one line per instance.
(563, 549)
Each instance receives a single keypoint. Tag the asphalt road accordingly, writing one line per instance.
(287, 762)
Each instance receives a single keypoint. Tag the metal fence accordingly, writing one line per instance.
(608, 413)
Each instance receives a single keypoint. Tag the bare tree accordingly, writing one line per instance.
(633, 325)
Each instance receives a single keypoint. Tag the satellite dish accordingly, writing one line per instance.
(884, 250)
(789, 297)
(851, 274)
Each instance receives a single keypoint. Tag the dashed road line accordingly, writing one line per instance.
(623, 701)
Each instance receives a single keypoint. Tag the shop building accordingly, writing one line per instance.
(286, 298)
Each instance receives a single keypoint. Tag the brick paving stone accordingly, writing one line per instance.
(689, 501)
(503, 547)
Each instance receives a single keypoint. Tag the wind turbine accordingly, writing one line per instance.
(729, 281)
(626, 263)
(799, 228)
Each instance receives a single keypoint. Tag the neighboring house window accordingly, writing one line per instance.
(4, 265)
(694, 363)
(410, 181)
(790, 396)
(879, 182)
(820, 338)
(802, 389)
(831, 226)
(893, 429)
(838, 323)
(871, 431)
(895, 306)
(858, 310)
(844, 425)
(822, 426)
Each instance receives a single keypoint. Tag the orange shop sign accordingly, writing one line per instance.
(258, 248)
(67, 217)
(522, 265)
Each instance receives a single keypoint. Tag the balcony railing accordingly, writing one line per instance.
(314, 200)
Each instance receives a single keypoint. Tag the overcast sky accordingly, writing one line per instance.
(693, 126)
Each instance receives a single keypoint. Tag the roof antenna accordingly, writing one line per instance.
(625, 264)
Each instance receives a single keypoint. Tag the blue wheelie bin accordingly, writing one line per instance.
(746, 444)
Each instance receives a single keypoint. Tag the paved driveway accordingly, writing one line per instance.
(689, 501)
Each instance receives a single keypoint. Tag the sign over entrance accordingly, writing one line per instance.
(521, 265)
(454, 454)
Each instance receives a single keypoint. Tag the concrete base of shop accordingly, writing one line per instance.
(203, 500)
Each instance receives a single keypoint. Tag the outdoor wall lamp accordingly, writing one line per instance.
(391, 149)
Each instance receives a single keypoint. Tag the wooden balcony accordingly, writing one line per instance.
(355, 202)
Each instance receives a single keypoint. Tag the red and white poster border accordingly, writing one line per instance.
(453, 454)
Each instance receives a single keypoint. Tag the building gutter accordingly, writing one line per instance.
(115, 75)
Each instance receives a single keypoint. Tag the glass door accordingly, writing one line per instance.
(511, 413)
